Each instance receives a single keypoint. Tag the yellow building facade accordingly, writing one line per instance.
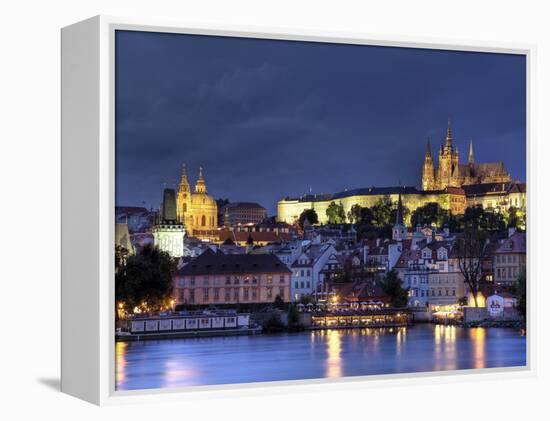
(197, 210)
(289, 209)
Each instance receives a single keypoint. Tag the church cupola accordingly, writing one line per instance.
(200, 187)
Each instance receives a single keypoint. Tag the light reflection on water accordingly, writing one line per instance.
(316, 354)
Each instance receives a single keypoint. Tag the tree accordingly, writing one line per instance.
(470, 250)
(335, 213)
(430, 213)
(310, 215)
(391, 285)
(520, 290)
(278, 302)
(293, 319)
(515, 218)
(485, 219)
(146, 278)
(382, 212)
(354, 215)
(367, 216)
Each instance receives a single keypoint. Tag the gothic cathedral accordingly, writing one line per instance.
(450, 173)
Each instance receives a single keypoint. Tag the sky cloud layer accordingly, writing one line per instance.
(268, 119)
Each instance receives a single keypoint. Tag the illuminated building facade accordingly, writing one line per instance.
(197, 210)
(218, 278)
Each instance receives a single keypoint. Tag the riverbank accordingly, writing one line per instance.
(513, 324)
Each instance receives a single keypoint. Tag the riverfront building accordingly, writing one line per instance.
(218, 278)
(509, 259)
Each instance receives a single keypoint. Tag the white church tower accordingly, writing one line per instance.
(168, 232)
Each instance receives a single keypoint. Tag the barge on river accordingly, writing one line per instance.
(187, 324)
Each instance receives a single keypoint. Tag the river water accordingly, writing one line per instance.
(314, 354)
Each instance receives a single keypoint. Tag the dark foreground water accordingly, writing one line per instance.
(311, 355)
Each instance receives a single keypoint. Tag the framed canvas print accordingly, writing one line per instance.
(246, 208)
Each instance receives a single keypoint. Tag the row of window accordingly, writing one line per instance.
(506, 258)
(426, 293)
(228, 280)
(507, 273)
(302, 284)
(424, 280)
(303, 272)
(230, 294)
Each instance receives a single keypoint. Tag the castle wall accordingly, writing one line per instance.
(289, 210)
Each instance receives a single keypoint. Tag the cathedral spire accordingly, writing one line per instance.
(449, 137)
(471, 154)
(428, 149)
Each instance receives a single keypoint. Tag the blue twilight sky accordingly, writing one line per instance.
(268, 119)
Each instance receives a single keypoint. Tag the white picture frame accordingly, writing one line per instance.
(88, 358)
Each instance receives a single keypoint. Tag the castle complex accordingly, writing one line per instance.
(197, 210)
(454, 186)
(450, 172)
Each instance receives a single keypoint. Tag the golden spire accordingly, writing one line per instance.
(200, 187)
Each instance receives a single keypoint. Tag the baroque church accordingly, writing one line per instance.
(197, 210)
(451, 173)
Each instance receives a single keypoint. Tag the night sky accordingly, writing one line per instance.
(268, 119)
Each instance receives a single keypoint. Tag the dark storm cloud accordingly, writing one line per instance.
(267, 119)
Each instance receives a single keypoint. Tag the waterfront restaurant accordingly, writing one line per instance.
(382, 318)
(345, 316)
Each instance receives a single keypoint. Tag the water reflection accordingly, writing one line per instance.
(478, 336)
(334, 348)
(445, 357)
(120, 361)
(310, 355)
